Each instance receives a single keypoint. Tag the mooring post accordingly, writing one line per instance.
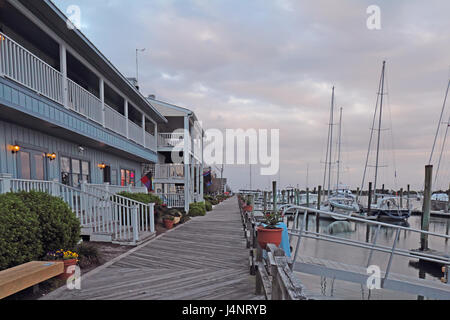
(357, 194)
(282, 196)
(408, 191)
(448, 199)
(369, 200)
(318, 208)
(426, 207)
(265, 202)
(307, 197)
(274, 191)
(401, 198)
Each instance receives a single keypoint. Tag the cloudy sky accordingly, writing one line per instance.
(267, 64)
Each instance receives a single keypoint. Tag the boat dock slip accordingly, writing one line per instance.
(206, 258)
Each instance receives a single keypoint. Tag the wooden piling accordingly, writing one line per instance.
(307, 197)
(426, 207)
(274, 192)
(265, 202)
(408, 191)
(318, 208)
(401, 198)
(369, 200)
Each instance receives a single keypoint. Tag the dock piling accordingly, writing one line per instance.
(426, 207)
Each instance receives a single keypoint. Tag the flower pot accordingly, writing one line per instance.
(248, 208)
(168, 224)
(68, 273)
(266, 236)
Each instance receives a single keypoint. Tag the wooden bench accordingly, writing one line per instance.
(26, 275)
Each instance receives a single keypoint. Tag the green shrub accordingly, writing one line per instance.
(142, 197)
(19, 232)
(197, 209)
(59, 228)
(208, 206)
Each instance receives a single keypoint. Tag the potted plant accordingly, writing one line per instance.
(168, 222)
(269, 232)
(248, 207)
(69, 259)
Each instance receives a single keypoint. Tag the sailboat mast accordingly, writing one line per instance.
(331, 142)
(339, 150)
(379, 129)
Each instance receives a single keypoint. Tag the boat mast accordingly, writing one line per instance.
(379, 130)
(331, 143)
(339, 151)
(330, 129)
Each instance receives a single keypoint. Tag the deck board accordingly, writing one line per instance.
(205, 259)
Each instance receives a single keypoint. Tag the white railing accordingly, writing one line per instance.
(95, 208)
(172, 200)
(115, 121)
(20, 65)
(117, 189)
(169, 171)
(150, 141)
(135, 132)
(83, 102)
(145, 211)
(170, 139)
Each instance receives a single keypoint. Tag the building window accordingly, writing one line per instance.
(114, 177)
(74, 171)
(127, 177)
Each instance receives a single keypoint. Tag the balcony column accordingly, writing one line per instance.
(125, 108)
(201, 168)
(192, 184)
(187, 199)
(102, 98)
(63, 69)
(143, 131)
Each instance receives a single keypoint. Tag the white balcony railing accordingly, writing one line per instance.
(20, 65)
(83, 102)
(170, 139)
(135, 132)
(150, 141)
(23, 67)
(169, 171)
(115, 121)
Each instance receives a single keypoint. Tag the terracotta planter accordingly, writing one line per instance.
(248, 208)
(168, 223)
(67, 263)
(266, 236)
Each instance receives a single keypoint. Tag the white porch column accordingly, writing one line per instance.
(125, 107)
(63, 69)
(102, 98)
(201, 167)
(187, 199)
(143, 130)
(5, 182)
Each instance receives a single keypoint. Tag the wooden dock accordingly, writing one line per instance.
(204, 259)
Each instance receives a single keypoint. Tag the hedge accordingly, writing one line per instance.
(197, 209)
(19, 232)
(58, 225)
(141, 197)
(208, 206)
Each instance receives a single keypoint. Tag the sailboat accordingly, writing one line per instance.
(340, 200)
(385, 206)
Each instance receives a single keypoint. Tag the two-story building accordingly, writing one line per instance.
(178, 176)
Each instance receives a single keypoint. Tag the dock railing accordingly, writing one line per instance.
(302, 231)
(272, 268)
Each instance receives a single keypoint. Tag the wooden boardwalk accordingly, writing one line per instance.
(206, 258)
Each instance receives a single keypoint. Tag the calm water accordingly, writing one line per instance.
(359, 256)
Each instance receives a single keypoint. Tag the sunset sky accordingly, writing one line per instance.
(267, 64)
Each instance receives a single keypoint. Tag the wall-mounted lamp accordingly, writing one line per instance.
(51, 156)
(101, 166)
(15, 149)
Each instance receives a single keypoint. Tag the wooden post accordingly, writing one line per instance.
(265, 202)
(401, 198)
(307, 197)
(426, 207)
(408, 188)
(274, 192)
(369, 200)
(448, 202)
(318, 208)
(357, 194)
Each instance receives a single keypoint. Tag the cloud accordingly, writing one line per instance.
(271, 64)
